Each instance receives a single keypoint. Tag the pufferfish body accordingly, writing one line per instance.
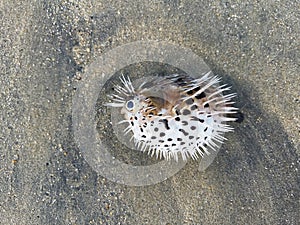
(176, 115)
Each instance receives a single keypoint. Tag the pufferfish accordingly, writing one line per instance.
(176, 115)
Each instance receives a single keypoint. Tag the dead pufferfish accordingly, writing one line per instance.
(175, 115)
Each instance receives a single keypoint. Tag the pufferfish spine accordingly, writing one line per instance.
(175, 115)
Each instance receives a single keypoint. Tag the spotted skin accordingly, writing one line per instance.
(175, 116)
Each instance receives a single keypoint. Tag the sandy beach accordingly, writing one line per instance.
(46, 48)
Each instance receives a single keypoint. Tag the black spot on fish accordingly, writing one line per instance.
(190, 92)
(186, 112)
(184, 132)
(190, 101)
(165, 121)
(201, 95)
(184, 123)
(194, 107)
(196, 89)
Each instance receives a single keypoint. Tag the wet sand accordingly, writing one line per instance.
(45, 48)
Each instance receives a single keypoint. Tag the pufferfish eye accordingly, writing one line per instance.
(129, 105)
